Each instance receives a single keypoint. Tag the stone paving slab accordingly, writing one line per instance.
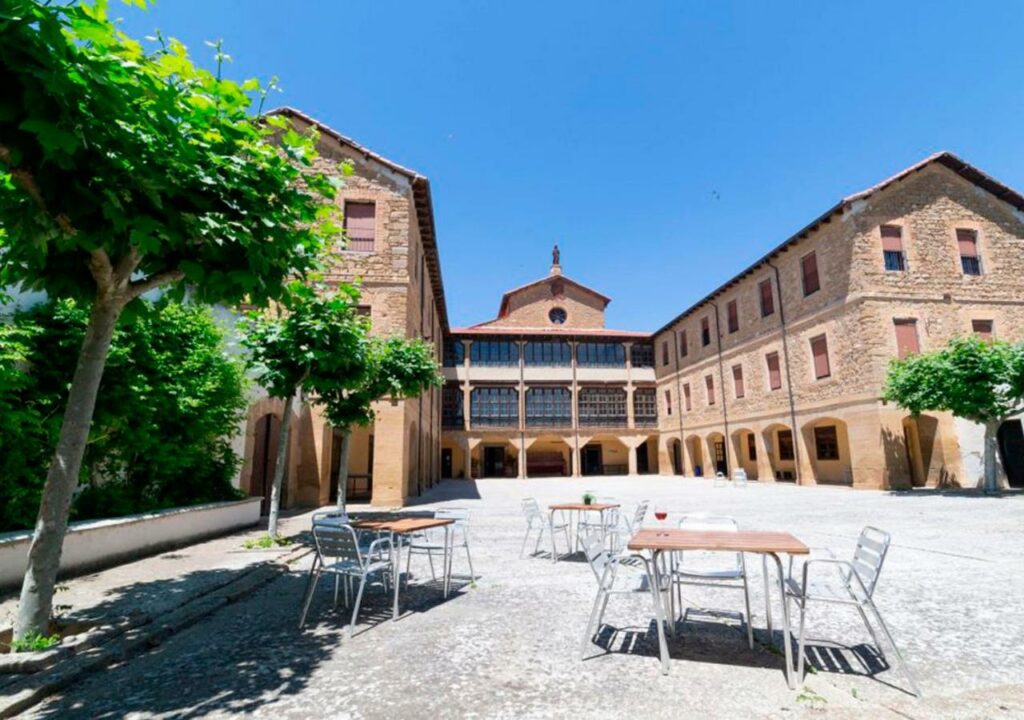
(509, 646)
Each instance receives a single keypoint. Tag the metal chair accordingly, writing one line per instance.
(604, 522)
(852, 583)
(338, 553)
(626, 527)
(739, 477)
(536, 520)
(710, 568)
(617, 575)
(429, 544)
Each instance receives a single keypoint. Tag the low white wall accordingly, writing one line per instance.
(98, 543)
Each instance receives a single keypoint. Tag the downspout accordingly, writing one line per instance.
(789, 382)
(721, 379)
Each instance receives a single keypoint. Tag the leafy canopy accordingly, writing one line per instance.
(971, 378)
(320, 339)
(136, 167)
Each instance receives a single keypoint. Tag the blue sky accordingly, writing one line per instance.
(663, 145)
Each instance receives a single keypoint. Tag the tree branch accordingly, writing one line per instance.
(27, 182)
(101, 269)
(141, 287)
(126, 266)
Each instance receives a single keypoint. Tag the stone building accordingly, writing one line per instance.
(544, 389)
(392, 255)
(778, 371)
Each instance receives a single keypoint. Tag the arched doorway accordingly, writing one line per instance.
(696, 453)
(264, 455)
(676, 450)
(716, 451)
(778, 438)
(828, 447)
(1011, 448)
(744, 446)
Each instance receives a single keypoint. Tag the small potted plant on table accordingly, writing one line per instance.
(588, 498)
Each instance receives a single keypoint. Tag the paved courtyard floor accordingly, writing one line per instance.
(508, 646)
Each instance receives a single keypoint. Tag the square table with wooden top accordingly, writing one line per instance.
(767, 544)
(579, 508)
(405, 526)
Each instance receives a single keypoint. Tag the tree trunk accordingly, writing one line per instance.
(48, 539)
(346, 436)
(992, 456)
(279, 465)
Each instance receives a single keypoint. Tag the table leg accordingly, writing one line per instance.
(551, 532)
(397, 550)
(785, 622)
(654, 577)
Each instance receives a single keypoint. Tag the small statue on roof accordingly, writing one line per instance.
(556, 255)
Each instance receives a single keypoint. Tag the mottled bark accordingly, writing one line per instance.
(280, 465)
(343, 451)
(991, 455)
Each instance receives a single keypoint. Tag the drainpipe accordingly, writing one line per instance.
(721, 379)
(789, 382)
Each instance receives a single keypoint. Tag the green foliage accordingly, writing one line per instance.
(123, 168)
(265, 542)
(170, 400)
(34, 641)
(588, 498)
(321, 339)
(971, 378)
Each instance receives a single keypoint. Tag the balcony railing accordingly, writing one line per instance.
(645, 421)
(603, 421)
(971, 264)
(545, 421)
(494, 421)
(453, 422)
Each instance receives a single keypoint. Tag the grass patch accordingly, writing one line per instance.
(265, 542)
(34, 641)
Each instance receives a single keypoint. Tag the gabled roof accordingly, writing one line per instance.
(503, 309)
(421, 198)
(944, 158)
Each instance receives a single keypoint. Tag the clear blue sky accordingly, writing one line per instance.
(663, 145)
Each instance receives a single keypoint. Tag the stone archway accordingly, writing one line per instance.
(695, 451)
(744, 446)
(718, 454)
(266, 441)
(780, 445)
(827, 445)
(549, 456)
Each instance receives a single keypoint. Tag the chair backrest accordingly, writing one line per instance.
(869, 555)
(739, 477)
(598, 557)
(714, 523)
(531, 510)
(330, 517)
(640, 514)
(458, 514)
(337, 541)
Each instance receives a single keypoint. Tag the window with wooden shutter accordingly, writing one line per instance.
(686, 397)
(705, 332)
(737, 380)
(668, 402)
(709, 383)
(809, 269)
(684, 346)
(892, 248)
(767, 299)
(982, 328)
(967, 241)
(360, 221)
(906, 338)
(774, 373)
(734, 316)
(819, 351)
(664, 353)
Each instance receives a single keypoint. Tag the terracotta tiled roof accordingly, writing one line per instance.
(945, 158)
(496, 330)
(421, 197)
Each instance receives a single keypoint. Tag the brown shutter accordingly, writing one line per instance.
(819, 349)
(774, 374)
(686, 396)
(767, 300)
(809, 265)
(906, 338)
(683, 345)
(737, 378)
(967, 240)
(359, 223)
(709, 381)
(668, 402)
(892, 238)
(734, 316)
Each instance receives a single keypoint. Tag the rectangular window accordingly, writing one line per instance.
(642, 355)
(982, 328)
(359, 221)
(668, 402)
(454, 353)
(819, 351)
(733, 313)
(547, 353)
(774, 373)
(737, 380)
(664, 353)
(602, 407)
(364, 311)
(751, 446)
(767, 299)
(451, 407)
(494, 353)
(892, 248)
(967, 241)
(705, 332)
(601, 355)
(548, 407)
(684, 347)
(809, 269)
(494, 407)
(645, 406)
(709, 383)
(906, 338)
(786, 445)
(686, 397)
(826, 442)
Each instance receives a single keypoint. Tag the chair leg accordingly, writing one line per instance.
(767, 598)
(540, 536)
(589, 633)
(355, 610)
(554, 553)
(337, 586)
(895, 647)
(309, 597)
(746, 599)
(522, 549)
(801, 652)
(469, 558)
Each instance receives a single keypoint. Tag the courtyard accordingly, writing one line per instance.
(508, 645)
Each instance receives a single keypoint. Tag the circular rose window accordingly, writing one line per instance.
(557, 315)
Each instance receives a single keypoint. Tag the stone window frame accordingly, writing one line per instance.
(906, 238)
(768, 370)
(705, 331)
(732, 313)
(907, 320)
(823, 335)
(817, 273)
(687, 398)
(974, 331)
(377, 216)
(684, 343)
(981, 242)
(739, 382)
(709, 389)
(760, 297)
